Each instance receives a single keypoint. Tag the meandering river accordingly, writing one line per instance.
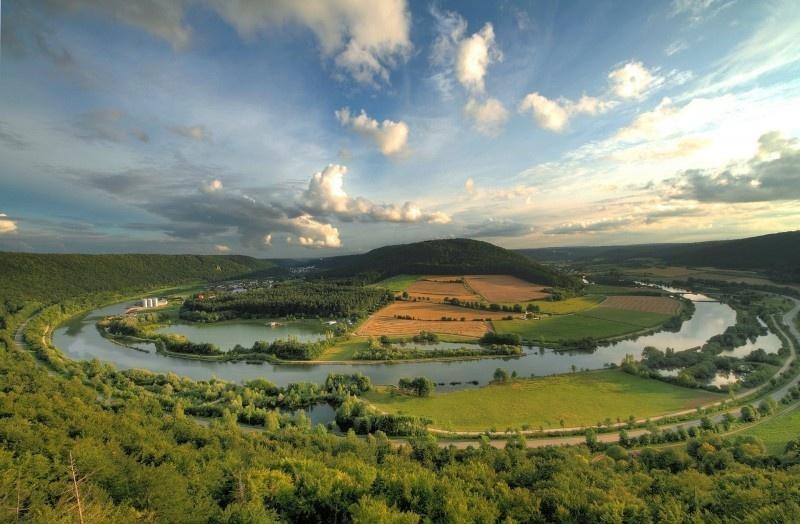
(80, 340)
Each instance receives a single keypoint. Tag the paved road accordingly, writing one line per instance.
(788, 320)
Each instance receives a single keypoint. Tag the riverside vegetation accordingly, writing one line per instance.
(127, 445)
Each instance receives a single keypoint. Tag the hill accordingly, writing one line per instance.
(458, 256)
(50, 277)
(777, 254)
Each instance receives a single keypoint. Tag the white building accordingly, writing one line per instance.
(153, 302)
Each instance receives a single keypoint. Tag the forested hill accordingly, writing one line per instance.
(49, 277)
(445, 257)
(778, 254)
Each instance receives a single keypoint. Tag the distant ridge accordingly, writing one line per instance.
(457, 256)
(777, 254)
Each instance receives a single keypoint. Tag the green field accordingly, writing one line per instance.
(626, 316)
(576, 399)
(596, 323)
(344, 350)
(775, 432)
(397, 283)
(571, 305)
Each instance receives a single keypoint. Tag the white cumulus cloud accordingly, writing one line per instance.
(549, 114)
(365, 38)
(326, 195)
(488, 117)
(554, 115)
(633, 80)
(390, 136)
(312, 233)
(473, 57)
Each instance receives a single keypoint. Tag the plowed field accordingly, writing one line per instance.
(505, 288)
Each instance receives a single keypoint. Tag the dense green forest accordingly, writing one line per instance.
(130, 447)
(777, 254)
(458, 256)
(328, 299)
(29, 276)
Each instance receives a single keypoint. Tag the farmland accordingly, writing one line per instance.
(615, 316)
(504, 288)
(568, 327)
(575, 399)
(436, 289)
(594, 315)
(398, 283)
(640, 319)
(663, 305)
(427, 317)
(571, 305)
(424, 311)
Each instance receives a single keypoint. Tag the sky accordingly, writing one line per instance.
(277, 128)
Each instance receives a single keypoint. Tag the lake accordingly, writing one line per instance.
(229, 333)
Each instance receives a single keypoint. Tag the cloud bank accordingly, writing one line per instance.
(325, 195)
(773, 174)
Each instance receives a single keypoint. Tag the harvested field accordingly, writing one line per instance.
(427, 317)
(436, 289)
(424, 311)
(375, 327)
(663, 305)
(505, 288)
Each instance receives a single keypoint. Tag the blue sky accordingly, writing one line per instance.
(279, 128)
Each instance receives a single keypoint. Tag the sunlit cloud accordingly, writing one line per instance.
(6, 224)
(487, 117)
(633, 80)
(326, 195)
(390, 137)
(473, 57)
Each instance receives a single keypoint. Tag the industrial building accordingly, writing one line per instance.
(153, 302)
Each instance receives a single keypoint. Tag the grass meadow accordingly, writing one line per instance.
(576, 399)
(597, 322)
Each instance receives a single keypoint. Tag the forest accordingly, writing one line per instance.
(322, 299)
(54, 277)
(460, 256)
(136, 446)
(772, 254)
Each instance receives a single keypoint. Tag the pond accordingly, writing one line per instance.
(246, 332)
(321, 413)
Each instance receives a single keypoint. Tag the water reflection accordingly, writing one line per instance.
(246, 332)
(80, 340)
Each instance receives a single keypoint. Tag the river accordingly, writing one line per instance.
(80, 340)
